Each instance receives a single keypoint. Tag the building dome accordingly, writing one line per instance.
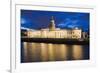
(76, 28)
(52, 24)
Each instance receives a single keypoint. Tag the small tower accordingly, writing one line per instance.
(52, 24)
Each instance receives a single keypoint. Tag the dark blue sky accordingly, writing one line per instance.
(40, 19)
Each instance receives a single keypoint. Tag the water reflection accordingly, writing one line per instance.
(39, 52)
(44, 52)
(77, 52)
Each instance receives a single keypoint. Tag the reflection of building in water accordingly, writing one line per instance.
(63, 52)
(51, 52)
(77, 52)
(53, 32)
(36, 52)
(25, 51)
(44, 52)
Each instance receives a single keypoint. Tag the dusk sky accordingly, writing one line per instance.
(64, 20)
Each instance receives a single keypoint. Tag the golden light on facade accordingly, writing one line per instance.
(53, 32)
(76, 33)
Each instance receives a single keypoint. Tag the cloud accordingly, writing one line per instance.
(69, 23)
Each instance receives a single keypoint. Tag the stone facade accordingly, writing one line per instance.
(53, 32)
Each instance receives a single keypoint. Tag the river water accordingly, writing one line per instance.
(43, 52)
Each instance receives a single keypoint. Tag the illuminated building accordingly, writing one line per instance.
(53, 32)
